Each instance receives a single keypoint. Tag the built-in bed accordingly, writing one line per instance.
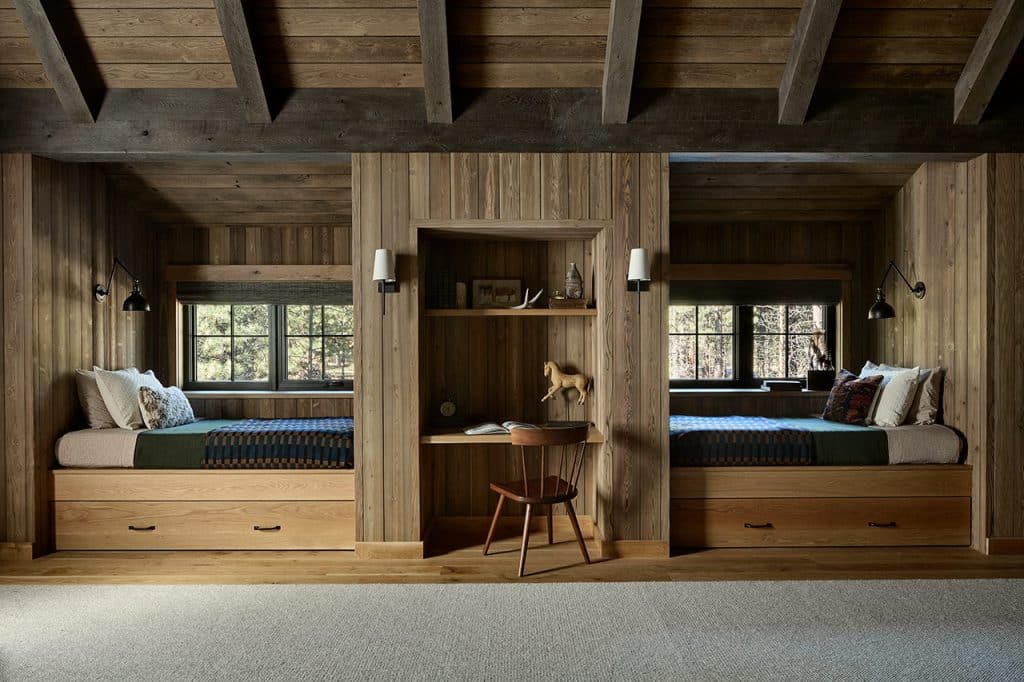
(213, 484)
(755, 481)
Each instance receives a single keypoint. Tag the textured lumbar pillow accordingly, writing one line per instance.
(851, 398)
(120, 391)
(895, 397)
(164, 407)
(92, 402)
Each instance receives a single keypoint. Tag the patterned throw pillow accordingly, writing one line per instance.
(164, 407)
(851, 398)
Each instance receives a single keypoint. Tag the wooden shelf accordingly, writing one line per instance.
(504, 312)
(457, 437)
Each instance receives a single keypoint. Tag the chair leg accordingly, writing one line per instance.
(551, 533)
(494, 523)
(576, 529)
(526, 539)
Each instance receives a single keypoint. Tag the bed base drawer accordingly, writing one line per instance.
(821, 522)
(205, 525)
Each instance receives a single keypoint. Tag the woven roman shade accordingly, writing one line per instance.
(268, 293)
(776, 292)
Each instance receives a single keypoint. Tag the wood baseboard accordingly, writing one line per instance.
(475, 527)
(389, 550)
(16, 551)
(634, 549)
(1005, 545)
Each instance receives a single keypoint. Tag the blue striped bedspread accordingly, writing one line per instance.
(318, 443)
(738, 441)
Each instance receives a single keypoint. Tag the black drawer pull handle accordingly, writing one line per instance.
(142, 529)
(267, 529)
(876, 524)
(758, 525)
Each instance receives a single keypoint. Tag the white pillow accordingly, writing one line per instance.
(120, 391)
(928, 399)
(895, 398)
(89, 397)
(871, 369)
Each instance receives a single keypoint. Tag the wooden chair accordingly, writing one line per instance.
(545, 489)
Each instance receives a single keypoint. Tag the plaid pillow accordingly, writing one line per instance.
(851, 398)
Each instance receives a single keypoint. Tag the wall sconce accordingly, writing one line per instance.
(384, 275)
(135, 303)
(639, 276)
(880, 310)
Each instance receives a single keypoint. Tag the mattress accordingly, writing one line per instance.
(761, 441)
(216, 444)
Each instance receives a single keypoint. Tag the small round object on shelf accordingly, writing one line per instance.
(448, 408)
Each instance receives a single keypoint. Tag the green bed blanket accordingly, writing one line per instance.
(177, 447)
(837, 444)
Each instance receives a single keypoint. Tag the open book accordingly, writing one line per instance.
(491, 428)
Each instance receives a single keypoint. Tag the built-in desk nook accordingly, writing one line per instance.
(482, 360)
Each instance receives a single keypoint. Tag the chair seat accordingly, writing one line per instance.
(555, 490)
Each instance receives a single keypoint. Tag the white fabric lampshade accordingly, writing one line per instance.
(639, 266)
(383, 265)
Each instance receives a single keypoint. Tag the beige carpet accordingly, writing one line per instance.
(921, 630)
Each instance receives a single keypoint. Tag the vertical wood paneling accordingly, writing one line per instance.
(18, 377)
(627, 480)
(56, 235)
(956, 226)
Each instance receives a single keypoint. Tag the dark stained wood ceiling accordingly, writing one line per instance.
(783, 191)
(233, 194)
(301, 193)
(499, 43)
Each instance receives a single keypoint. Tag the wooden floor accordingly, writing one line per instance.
(558, 563)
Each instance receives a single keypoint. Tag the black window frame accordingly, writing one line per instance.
(743, 347)
(277, 342)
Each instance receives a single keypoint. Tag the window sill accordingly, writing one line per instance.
(265, 395)
(744, 392)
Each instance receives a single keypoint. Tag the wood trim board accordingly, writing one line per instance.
(899, 480)
(178, 485)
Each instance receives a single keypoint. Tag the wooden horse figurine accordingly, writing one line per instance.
(560, 382)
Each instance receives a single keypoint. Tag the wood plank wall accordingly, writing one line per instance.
(848, 242)
(68, 232)
(629, 403)
(956, 226)
(17, 515)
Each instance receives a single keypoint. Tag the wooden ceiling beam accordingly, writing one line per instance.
(620, 60)
(66, 83)
(806, 56)
(244, 63)
(324, 124)
(437, 78)
(999, 40)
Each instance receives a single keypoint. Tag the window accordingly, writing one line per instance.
(702, 342)
(268, 347)
(741, 346)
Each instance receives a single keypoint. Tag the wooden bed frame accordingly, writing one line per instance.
(203, 509)
(838, 506)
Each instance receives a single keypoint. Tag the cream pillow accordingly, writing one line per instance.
(95, 409)
(120, 391)
(895, 398)
(887, 373)
(925, 407)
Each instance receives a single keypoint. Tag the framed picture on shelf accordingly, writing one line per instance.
(496, 293)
